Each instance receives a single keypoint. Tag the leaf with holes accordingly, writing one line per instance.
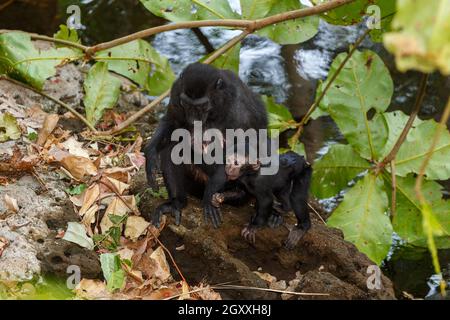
(362, 217)
(256, 9)
(364, 84)
(333, 172)
(102, 92)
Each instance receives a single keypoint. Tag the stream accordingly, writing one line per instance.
(288, 73)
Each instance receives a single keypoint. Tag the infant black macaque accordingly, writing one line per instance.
(220, 100)
(289, 187)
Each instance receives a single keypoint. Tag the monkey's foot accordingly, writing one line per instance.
(294, 237)
(213, 213)
(165, 208)
(217, 199)
(249, 233)
(275, 220)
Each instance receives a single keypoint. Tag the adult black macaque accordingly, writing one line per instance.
(289, 188)
(220, 100)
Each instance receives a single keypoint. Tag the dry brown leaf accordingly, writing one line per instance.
(266, 277)
(206, 293)
(137, 159)
(125, 254)
(92, 290)
(11, 204)
(120, 174)
(162, 294)
(185, 289)
(48, 126)
(162, 271)
(75, 147)
(79, 166)
(3, 244)
(135, 227)
(91, 195)
(117, 185)
(89, 218)
(117, 208)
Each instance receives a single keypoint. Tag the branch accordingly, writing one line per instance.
(249, 25)
(73, 111)
(419, 99)
(316, 103)
(394, 189)
(158, 100)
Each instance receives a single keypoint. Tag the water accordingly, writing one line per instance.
(288, 73)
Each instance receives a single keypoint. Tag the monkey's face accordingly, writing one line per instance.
(200, 86)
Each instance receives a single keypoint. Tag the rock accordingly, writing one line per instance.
(222, 255)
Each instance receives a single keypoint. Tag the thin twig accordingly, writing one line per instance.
(418, 103)
(425, 208)
(316, 103)
(234, 287)
(315, 211)
(394, 189)
(72, 110)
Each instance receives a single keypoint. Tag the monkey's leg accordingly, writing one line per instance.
(280, 207)
(299, 203)
(214, 185)
(174, 180)
(264, 204)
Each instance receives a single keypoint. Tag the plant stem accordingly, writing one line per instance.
(419, 99)
(72, 110)
(426, 210)
(316, 103)
(394, 189)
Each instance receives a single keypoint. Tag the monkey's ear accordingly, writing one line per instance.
(219, 83)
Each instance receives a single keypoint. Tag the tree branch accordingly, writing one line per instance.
(72, 110)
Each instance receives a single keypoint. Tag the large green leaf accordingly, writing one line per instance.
(112, 271)
(387, 9)
(348, 14)
(363, 84)
(141, 63)
(76, 233)
(280, 117)
(335, 170)
(20, 59)
(291, 31)
(256, 9)
(362, 217)
(190, 10)
(229, 60)
(413, 151)
(102, 91)
(408, 220)
(421, 40)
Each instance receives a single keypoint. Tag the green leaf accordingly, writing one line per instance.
(116, 281)
(20, 59)
(298, 148)
(413, 151)
(229, 60)
(112, 271)
(256, 9)
(363, 84)
(116, 219)
(190, 10)
(102, 92)
(362, 217)
(75, 190)
(64, 33)
(9, 129)
(76, 233)
(280, 118)
(348, 14)
(408, 220)
(421, 40)
(333, 172)
(291, 31)
(387, 10)
(141, 63)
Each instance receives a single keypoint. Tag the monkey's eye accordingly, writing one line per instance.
(219, 83)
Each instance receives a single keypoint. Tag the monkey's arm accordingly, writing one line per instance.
(159, 139)
(214, 185)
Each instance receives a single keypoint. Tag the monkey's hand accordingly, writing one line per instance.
(249, 233)
(213, 213)
(167, 207)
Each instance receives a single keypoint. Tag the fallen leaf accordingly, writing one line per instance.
(136, 159)
(117, 208)
(75, 147)
(48, 126)
(135, 227)
(125, 254)
(117, 185)
(92, 290)
(89, 218)
(11, 204)
(163, 270)
(3, 244)
(9, 129)
(89, 198)
(76, 233)
(266, 277)
(79, 166)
